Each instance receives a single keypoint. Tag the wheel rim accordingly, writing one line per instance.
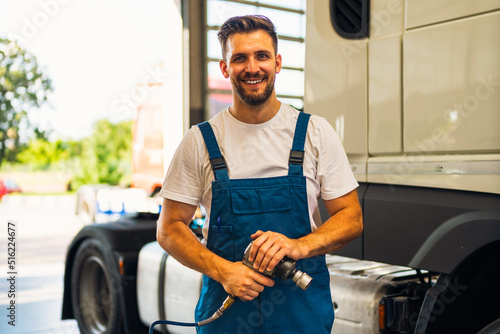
(95, 295)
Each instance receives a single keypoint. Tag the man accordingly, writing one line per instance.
(259, 168)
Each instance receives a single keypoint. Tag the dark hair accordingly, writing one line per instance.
(243, 24)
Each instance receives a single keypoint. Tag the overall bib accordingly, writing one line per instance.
(239, 208)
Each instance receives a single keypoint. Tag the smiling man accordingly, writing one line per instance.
(259, 168)
(251, 61)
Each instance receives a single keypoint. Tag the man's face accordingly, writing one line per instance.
(251, 64)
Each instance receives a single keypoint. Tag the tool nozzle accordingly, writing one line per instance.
(302, 280)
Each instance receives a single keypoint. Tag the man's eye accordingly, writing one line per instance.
(240, 58)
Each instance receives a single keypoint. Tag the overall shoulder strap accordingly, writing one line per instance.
(299, 139)
(217, 161)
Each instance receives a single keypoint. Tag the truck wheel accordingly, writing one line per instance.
(493, 328)
(94, 290)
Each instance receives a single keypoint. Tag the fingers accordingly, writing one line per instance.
(249, 289)
(256, 285)
(269, 263)
(267, 257)
(268, 249)
(258, 239)
(245, 283)
(257, 234)
(262, 280)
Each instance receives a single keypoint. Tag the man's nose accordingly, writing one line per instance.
(252, 65)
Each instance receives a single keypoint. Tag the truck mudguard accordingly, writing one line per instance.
(428, 228)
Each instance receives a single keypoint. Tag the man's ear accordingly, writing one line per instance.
(223, 68)
(278, 63)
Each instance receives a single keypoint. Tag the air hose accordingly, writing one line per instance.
(228, 302)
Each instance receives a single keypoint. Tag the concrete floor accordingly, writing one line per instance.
(45, 225)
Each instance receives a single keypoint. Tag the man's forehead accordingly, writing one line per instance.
(248, 40)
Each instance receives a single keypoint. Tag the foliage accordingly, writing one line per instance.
(105, 156)
(23, 89)
(41, 154)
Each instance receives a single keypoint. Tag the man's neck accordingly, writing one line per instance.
(255, 114)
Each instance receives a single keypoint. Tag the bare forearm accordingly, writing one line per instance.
(182, 244)
(343, 227)
(174, 235)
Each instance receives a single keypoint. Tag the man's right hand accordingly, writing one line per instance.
(175, 236)
(243, 282)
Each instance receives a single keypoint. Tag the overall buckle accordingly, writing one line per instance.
(296, 158)
(218, 163)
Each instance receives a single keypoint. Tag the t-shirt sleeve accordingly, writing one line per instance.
(334, 171)
(183, 182)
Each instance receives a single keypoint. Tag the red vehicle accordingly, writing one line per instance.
(8, 186)
(3, 189)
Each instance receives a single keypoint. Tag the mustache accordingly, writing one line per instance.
(253, 76)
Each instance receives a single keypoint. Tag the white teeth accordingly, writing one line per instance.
(253, 82)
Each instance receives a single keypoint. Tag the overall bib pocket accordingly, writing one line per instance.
(261, 200)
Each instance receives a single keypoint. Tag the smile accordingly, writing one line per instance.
(253, 82)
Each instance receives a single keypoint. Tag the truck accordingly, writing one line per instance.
(412, 88)
(103, 203)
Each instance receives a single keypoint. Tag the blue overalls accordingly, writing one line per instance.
(239, 208)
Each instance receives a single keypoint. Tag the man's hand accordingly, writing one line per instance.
(269, 248)
(345, 224)
(243, 282)
(174, 235)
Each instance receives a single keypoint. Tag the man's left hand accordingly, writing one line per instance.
(269, 248)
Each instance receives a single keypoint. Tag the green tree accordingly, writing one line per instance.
(105, 155)
(24, 88)
(41, 154)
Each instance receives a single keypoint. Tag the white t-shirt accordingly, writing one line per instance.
(259, 151)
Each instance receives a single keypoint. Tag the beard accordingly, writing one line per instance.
(253, 99)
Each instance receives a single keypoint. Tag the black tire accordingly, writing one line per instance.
(95, 288)
(493, 328)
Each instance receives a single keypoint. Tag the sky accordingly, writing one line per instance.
(95, 52)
